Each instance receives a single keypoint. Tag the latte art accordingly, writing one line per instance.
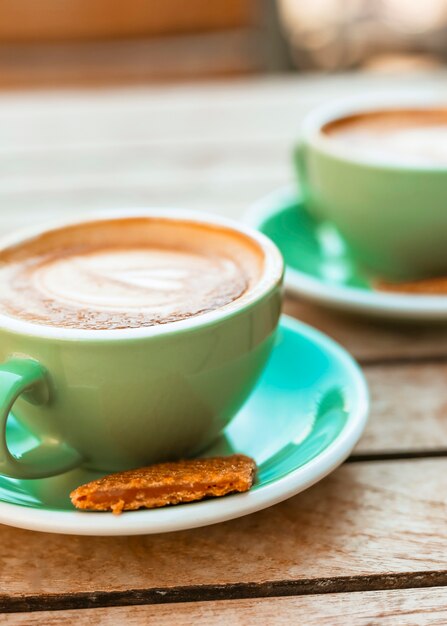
(160, 282)
(417, 137)
(165, 276)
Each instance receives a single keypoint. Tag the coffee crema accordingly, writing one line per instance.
(126, 273)
(399, 136)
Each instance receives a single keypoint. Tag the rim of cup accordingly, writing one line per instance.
(315, 120)
(271, 276)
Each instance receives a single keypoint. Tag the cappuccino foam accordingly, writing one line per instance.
(126, 273)
(414, 136)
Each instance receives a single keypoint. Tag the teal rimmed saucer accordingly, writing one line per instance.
(303, 419)
(320, 268)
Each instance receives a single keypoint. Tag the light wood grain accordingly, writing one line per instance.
(408, 409)
(229, 111)
(411, 607)
(213, 146)
(366, 519)
(370, 339)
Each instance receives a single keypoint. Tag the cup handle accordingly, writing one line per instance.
(51, 457)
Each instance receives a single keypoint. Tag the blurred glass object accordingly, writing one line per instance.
(335, 35)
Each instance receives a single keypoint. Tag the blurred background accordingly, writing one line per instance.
(67, 42)
(194, 104)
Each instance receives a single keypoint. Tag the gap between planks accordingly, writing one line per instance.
(417, 359)
(251, 559)
(405, 607)
(396, 455)
(212, 593)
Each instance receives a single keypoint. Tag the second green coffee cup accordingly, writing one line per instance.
(393, 217)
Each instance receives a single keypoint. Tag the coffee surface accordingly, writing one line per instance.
(414, 136)
(126, 273)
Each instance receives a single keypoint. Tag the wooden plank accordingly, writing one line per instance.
(215, 147)
(408, 410)
(424, 607)
(367, 526)
(151, 157)
(121, 168)
(209, 147)
(225, 197)
(80, 120)
(370, 339)
(226, 111)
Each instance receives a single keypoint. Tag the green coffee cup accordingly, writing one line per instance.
(117, 399)
(392, 215)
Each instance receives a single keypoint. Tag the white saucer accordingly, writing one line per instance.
(319, 267)
(304, 418)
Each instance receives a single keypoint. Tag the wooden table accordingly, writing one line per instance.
(367, 545)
